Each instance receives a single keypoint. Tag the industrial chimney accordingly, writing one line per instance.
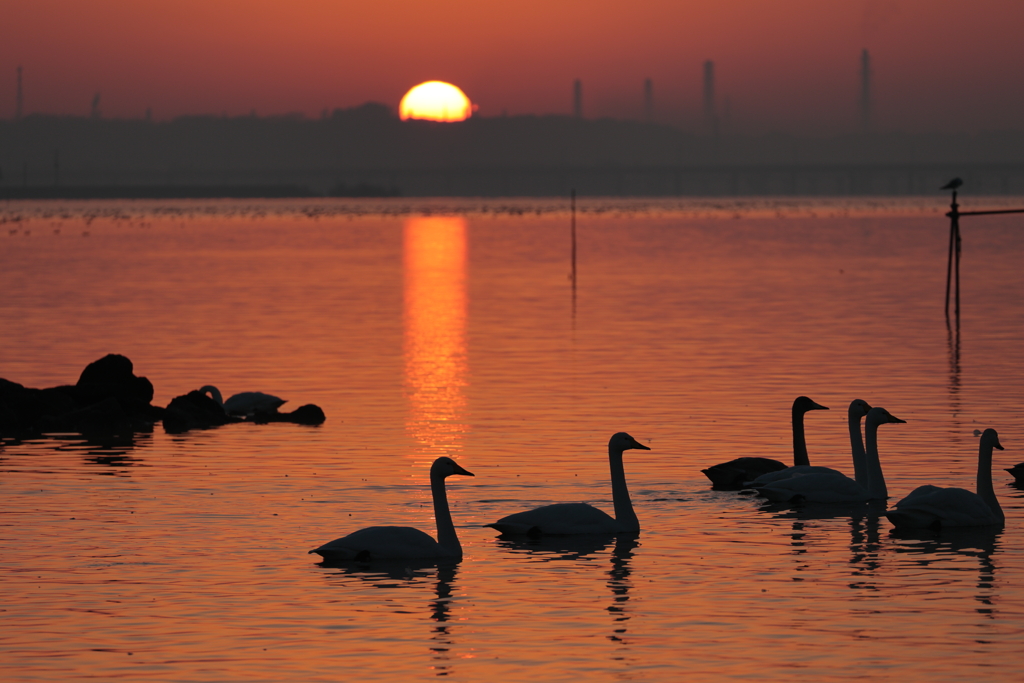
(865, 91)
(649, 100)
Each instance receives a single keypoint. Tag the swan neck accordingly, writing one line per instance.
(624, 513)
(799, 443)
(985, 488)
(446, 536)
(860, 473)
(875, 480)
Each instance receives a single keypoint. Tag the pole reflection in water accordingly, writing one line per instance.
(435, 331)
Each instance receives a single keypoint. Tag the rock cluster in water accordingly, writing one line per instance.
(110, 399)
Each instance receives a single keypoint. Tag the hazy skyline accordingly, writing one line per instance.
(789, 65)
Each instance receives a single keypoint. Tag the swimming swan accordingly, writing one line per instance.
(245, 403)
(1018, 472)
(833, 486)
(566, 519)
(735, 473)
(936, 507)
(858, 409)
(403, 542)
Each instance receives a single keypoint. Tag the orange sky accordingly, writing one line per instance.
(782, 64)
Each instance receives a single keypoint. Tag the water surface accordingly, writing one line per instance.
(452, 328)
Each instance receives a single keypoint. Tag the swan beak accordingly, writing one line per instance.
(893, 418)
(818, 406)
(637, 444)
(998, 445)
(462, 470)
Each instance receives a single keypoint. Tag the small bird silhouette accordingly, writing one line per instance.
(952, 184)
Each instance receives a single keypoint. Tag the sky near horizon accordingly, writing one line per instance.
(781, 65)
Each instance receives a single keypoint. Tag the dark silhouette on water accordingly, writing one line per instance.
(390, 543)
(569, 519)
(732, 475)
(933, 507)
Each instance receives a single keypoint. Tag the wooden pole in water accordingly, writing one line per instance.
(954, 246)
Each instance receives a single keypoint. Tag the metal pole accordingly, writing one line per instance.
(954, 231)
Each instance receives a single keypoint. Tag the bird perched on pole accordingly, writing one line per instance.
(952, 184)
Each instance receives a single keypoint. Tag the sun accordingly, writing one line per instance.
(435, 101)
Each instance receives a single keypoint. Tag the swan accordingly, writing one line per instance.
(936, 507)
(834, 486)
(735, 473)
(858, 409)
(1018, 472)
(245, 403)
(404, 542)
(567, 519)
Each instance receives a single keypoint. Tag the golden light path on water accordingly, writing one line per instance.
(434, 249)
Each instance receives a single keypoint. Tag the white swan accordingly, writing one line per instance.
(566, 519)
(403, 542)
(735, 473)
(936, 507)
(858, 409)
(833, 486)
(246, 403)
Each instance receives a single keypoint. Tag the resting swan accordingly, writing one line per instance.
(833, 486)
(567, 519)
(858, 409)
(246, 403)
(936, 508)
(734, 474)
(403, 542)
(1018, 472)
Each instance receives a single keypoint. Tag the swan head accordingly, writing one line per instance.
(880, 416)
(990, 438)
(446, 467)
(621, 441)
(802, 404)
(859, 407)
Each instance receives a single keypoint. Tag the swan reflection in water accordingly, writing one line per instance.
(411, 575)
(562, 548)
(865, 535)
(934, 550)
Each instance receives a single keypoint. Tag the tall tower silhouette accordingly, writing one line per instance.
(865, 91)
(577, 99)
(649, 100)
(710, 114)
(20, 102)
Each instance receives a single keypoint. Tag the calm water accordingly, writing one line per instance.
(434, 328)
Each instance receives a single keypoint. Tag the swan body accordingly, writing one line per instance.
(836, 487)
(735, 473)
(567, 519)
(402, 542)
(246, 403)
(858, 409)
(936, 507)
(1018, 472)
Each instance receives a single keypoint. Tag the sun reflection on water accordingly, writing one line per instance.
(435, 332)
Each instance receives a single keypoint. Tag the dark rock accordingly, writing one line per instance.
(105, 417)
(85, 407)
(113, 375)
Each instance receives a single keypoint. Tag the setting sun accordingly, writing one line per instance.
(435, 101)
